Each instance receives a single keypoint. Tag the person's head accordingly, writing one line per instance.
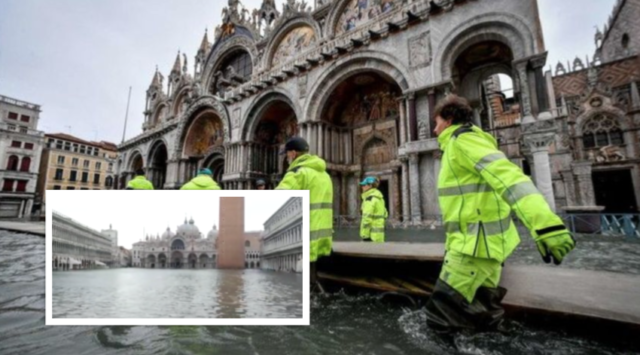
(452, 110)
(205, 171)
(369, 183)
(295, 147)
(139, 172)
(261, 184)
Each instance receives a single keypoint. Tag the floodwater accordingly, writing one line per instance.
(167, 293)
(341, 324)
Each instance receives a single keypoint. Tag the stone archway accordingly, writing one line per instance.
(205, 133)
(358, 135)
(193, 261)
(204, 261)
(177, 260)
(151, 261)
(136, 161)
(215, 162)
(270, 123)
(157, 170)
(162, 261)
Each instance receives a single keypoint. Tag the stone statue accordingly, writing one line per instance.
(184, 67)
(609, 153)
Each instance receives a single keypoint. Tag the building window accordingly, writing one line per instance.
(75, 147)
(625, 41)
(98, 165)
(11, 127)
(96, 178)
(12, 164)
(70, 188)
(59, 173)
(60, 159)
(13, 116)
(74, 161)
(67, 146)
(108, 182)
(24, 129)
(16, 144)
(86, 164)
(602, 131)
(7, 185)
(85, 176)
(56, 187)
(24, 118)
(96, 152)
(22, 186)
(58, 144)
(82, 149)
(28, 146)
(26, 164)
(247, 244)
(73, 176)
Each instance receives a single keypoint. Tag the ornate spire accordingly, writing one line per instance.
(205, 45)
(177, 65)
(157, 79)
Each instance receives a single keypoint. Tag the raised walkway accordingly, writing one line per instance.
(37, 228)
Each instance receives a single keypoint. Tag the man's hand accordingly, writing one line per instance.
(555, 245)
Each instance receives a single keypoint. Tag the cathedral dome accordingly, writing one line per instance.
(213, 234)
(168, 234)
(188, 230)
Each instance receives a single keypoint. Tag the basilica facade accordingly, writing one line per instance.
(188, 248)
(360, 80)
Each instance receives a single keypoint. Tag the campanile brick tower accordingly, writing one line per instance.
(230, 241)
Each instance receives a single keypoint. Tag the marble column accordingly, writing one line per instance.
(432, 112)
(403, 119)
(522, 71)
(582, 172)
(539, 146)
(413, 118)
(405, 190)
(414, 185)
(542, 95)
(569, 187)
(320, 150)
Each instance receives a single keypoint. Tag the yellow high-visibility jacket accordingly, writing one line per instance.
(478, 188)
(308, 172)
(374, 215)
(139, 183)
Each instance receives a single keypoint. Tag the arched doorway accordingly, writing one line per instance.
(151, 261)
(204, 261)
(193, 261)
(136, 162)
(483, 72)
(359, 135)
(205, 134)
(177, 260)
(162, 260)
(215, 163)
(157, 171)
(272, 122)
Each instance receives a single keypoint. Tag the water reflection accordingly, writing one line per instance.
(166, 293)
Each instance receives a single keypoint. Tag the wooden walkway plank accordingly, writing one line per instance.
(398, 251)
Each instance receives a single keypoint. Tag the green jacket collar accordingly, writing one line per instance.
(445, 136)
(371, 192)
(140, 177)
(309, 161)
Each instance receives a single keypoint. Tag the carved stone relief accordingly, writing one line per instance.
(420, 50)
(302, 86)
(236, 117)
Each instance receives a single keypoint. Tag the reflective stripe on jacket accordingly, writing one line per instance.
(201, 182)
(478, 187)
(374, 215)
(139, 183)
(308, 172)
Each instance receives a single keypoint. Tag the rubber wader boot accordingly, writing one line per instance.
(448, 310)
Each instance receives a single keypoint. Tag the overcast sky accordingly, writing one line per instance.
(132, 216)
(77, 58)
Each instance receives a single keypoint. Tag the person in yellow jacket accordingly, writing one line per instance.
(309, 172)
(139, 182)
(478, 189)
(374, 213)
(203, 181)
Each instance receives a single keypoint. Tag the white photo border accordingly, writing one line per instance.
(53, 195)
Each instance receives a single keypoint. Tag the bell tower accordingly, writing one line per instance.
(230, 243)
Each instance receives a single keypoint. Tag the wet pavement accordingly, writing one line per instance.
(340, 324)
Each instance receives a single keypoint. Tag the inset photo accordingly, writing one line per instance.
(170, 257)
